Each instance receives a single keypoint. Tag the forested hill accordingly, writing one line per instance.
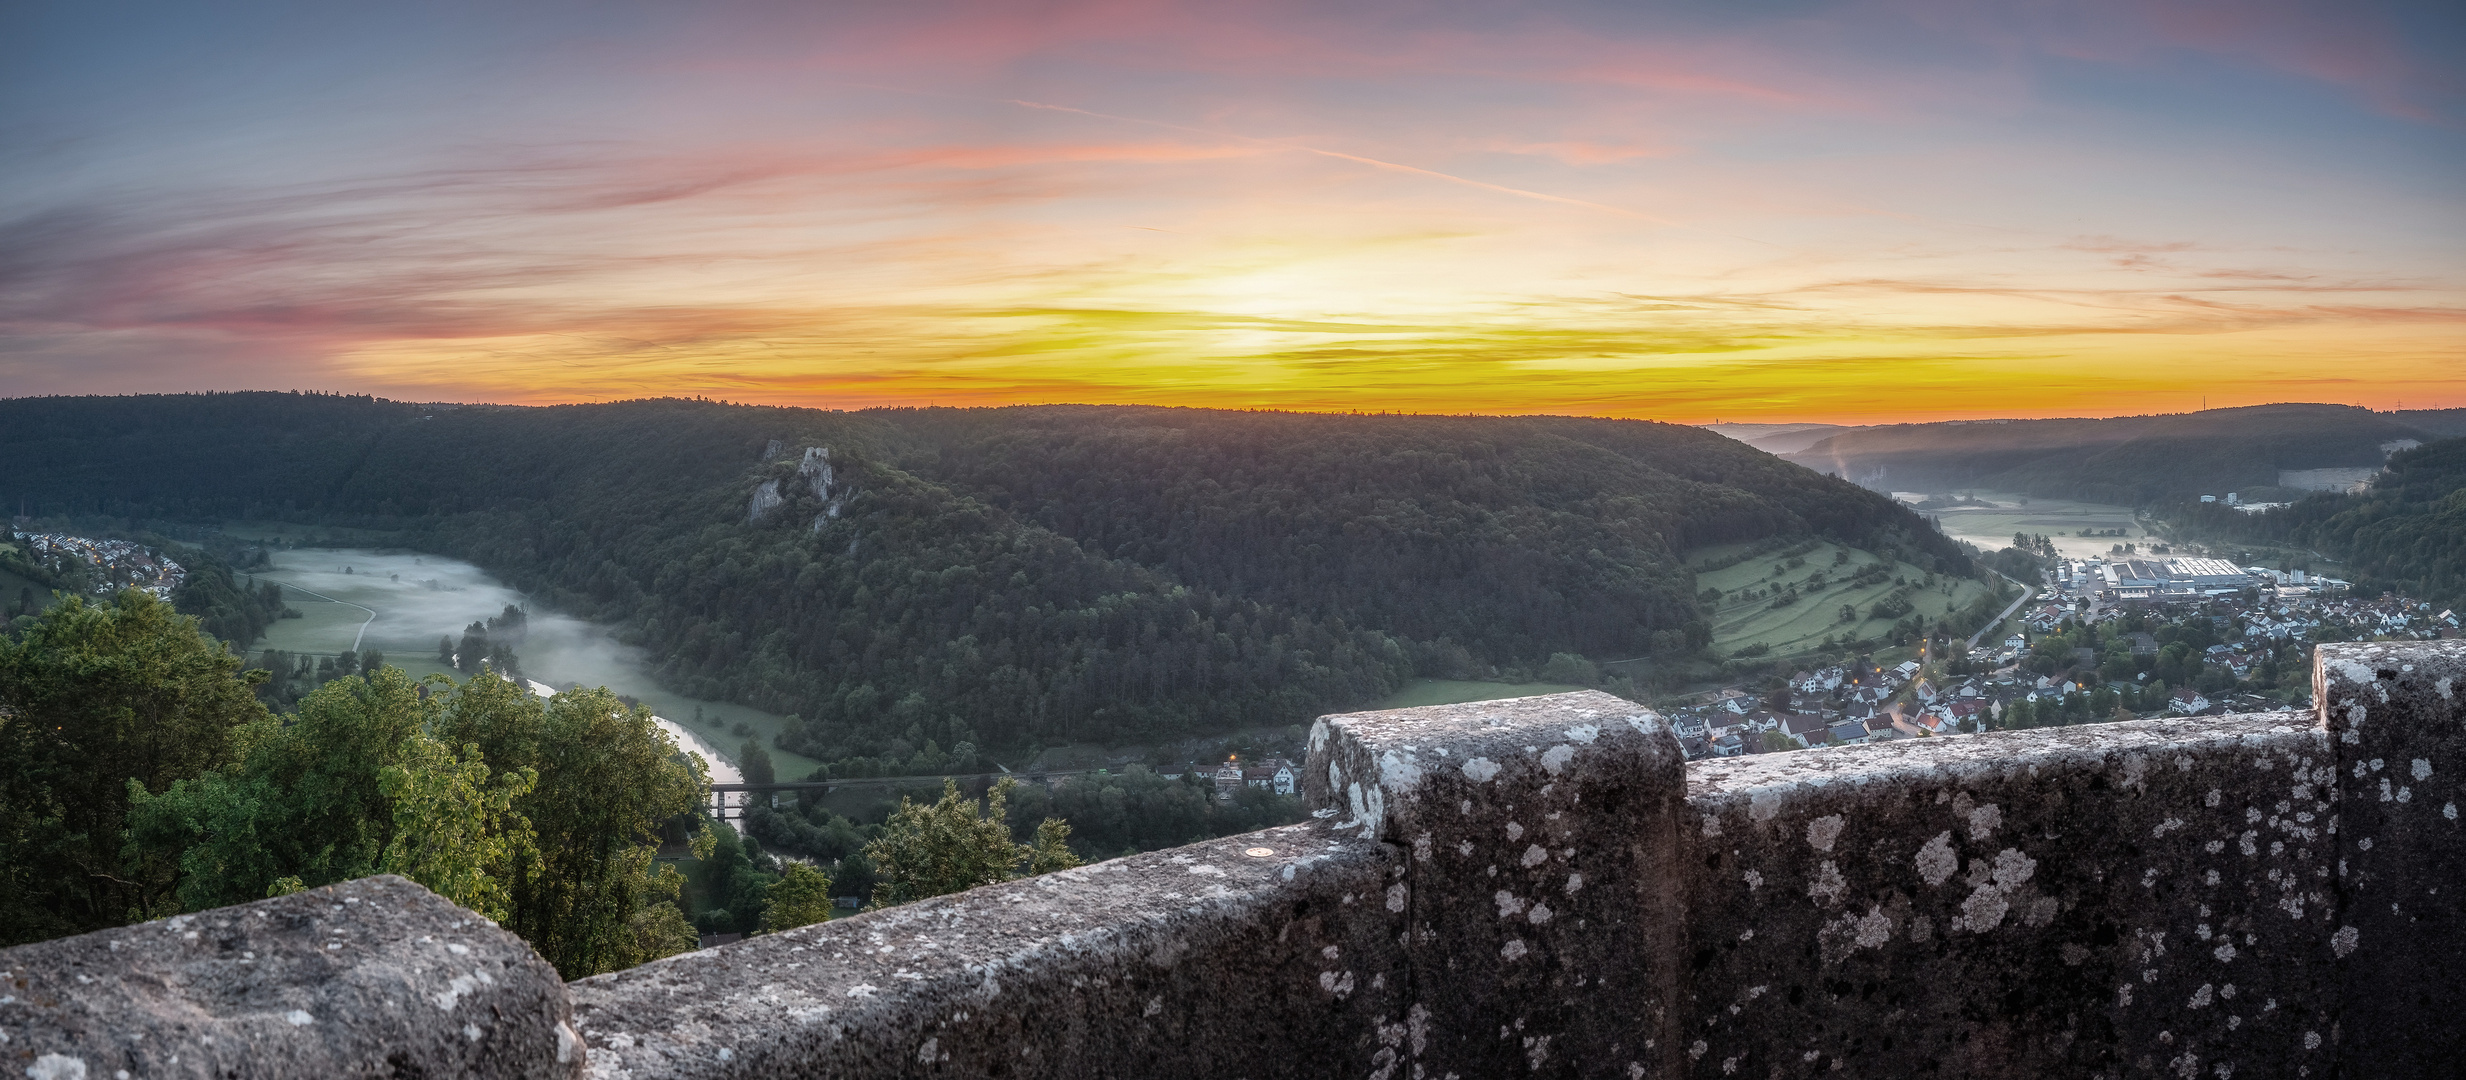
(998, 576)
(2406, 533)
(2130, 460)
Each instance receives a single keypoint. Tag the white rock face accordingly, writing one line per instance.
(765, 500)
(819, 476)
(816, 469)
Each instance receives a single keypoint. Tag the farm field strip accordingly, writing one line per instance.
(1991, 527)
(1739, 623)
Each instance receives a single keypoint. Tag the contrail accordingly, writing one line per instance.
(1356, 158)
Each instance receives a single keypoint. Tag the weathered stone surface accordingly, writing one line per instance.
(1259, 956)
(2397, 711)
(377, 977)
(1524, 887)
(2142, 898)
(1540, 876)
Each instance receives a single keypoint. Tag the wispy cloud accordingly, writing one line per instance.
(1795, 211)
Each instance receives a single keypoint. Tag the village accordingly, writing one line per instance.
(107, 566)
(2103, 640)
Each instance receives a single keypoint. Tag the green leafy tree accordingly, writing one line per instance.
(607, 779)
(947, 846)
(957, 843)
(96, 701)
(755, 762)
(305, 801)
(1051, 851)
(454, 831)
(730, 882)
(1570, 668)
(801, 897)
(473, 649)
(660, 929)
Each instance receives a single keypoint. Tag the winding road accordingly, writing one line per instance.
(2026, 593)
(355, 638)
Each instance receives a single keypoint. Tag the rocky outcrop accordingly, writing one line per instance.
(766, 501)
(814, 474)
(819, 477)
(816, 469)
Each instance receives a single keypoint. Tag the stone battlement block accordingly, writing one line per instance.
(376, 977)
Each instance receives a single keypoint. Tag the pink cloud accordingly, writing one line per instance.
(1580, 152)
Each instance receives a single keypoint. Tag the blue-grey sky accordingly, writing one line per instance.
(1778, 210)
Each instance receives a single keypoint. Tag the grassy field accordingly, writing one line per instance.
(1740, 620)
(1457, 691)
(10, 586)
(2059, 520)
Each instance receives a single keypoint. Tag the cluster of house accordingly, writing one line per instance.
(2278, 615)
(1833, 706)
(1274, 774)
(1858, 703)
(1824, 708)
(121, 564)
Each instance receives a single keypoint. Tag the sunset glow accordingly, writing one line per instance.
(1825, 211)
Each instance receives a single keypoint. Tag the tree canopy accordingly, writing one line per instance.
(99, 700)
(141, 776)
(957, 843)
(999, 578)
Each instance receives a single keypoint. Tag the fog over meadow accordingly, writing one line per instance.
(401, 604)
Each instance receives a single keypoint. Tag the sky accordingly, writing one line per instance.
(1745, 210)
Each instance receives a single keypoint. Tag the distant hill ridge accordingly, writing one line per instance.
(2131, 460)
(1000, 576)
(2405, 533)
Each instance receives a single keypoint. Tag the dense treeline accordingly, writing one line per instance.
(2129, 460)
(1511, 537)
(225, 606)
(2406, 533)
(140, 776)
(1110, 814)
(1008, 576)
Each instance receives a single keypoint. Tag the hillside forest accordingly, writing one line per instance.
(998, 577)
(2406, 533)
(2131, 460)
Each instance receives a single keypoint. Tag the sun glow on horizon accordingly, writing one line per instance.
(1859, 212)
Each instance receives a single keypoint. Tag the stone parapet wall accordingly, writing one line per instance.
(1529, 887)
(2138, 898)
(1136, 967)
(377, 977)
(2396, 717)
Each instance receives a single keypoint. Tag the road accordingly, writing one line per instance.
(355, 638)
(2026, 593)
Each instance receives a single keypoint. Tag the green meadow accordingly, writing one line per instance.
(1991, 527)
(407, 601)
(1824, 576)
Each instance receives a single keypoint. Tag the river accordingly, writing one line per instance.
(402, 604)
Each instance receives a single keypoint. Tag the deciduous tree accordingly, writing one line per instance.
(98, 700)
(801, 897)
